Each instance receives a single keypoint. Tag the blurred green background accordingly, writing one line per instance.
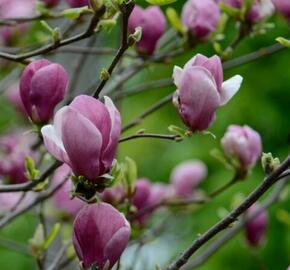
(262, 103)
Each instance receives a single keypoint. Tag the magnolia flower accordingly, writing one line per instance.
(243, 143)
(186, 176)
(256, 228)
(85, 136)
(42, 86)
(153, 24)
(201, 90)
(100, 235)
(200, 17)
(13, 96)
(282, 6)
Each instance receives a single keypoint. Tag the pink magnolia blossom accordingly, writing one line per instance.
(153, 24)
(77, 3)
(197, 102)
(243, 143)
(256, 228)
(42, 86)
(187, 176)
(282, 6)
(200, 17)
(85, 136)
(100, 235)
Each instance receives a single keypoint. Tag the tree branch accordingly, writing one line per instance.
(126, 10)
(176, 138)
(215, 246)
(31, 184)
(232, 217)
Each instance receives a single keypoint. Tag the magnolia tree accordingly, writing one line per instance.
(62, 164)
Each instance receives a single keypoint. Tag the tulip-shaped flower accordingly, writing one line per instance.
(42, 86)
(200, 17)
(51, 3)
(85, 136)
(187, 176)
(256, 228)
(61, 198)
(282, 6)
(243, 143)
(201, 90)
(153, 24)
(100, 235)
(77, 3)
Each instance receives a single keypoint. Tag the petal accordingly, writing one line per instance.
(177, 71)
(229, 88)
(54, 144)
(109, 153)
(199, 98)
(117, 244)
(48, 86)
(96, 112)
(82, 142)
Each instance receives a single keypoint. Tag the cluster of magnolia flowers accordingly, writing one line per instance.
(85, 134)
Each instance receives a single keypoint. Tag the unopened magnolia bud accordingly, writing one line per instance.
(243, 143)
(42, 86)
(269, 163)
(200, 17)
(187, 176)
(100, 235)
(256, 228)
(153, 24)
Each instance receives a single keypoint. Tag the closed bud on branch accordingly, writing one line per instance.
(256, 228)
(100, 235)
(197, 102)
(152, 22)
(187, 176)
(243, 143)
(42, 86)
(201, 18)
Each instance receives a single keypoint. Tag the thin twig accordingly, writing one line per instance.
(229, 219)
(126, 9)
(52, 46)
(42, 197)
(59, 257)
(176, 138)
(31, 184)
